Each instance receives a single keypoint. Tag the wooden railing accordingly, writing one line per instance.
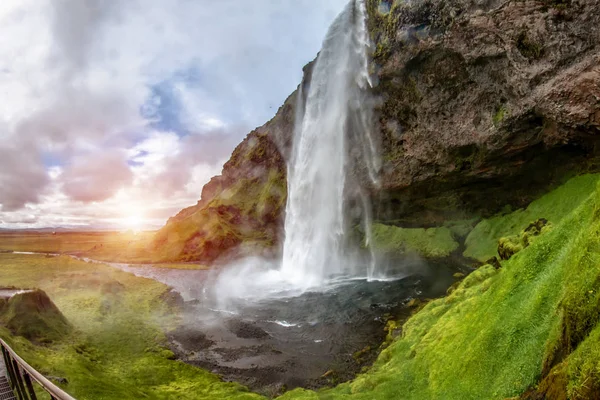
(22, 376)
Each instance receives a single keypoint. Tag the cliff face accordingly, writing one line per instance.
(482, 104)
(242, 206)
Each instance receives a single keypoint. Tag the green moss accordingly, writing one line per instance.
(382, 51)
(500, 115)
(509, 246)
(482, 242)
(383, 27)
(461, 228)
(490, 337)
(432, 242)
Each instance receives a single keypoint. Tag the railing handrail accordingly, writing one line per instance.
(48, 386)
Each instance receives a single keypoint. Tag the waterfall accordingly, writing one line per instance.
(334, 116)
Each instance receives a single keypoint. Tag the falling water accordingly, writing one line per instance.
(334, 116)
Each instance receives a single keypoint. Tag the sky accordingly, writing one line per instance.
(114, 113)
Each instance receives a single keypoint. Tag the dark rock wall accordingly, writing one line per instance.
(483, 103)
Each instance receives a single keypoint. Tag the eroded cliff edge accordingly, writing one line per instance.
(482, 104)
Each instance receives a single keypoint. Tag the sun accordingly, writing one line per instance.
(133, 222)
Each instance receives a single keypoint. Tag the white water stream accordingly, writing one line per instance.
(315, 246)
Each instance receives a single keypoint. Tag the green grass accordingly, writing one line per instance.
(482, 242)
(431, 243)
(104, 246)
(490, 337)
(117, 347)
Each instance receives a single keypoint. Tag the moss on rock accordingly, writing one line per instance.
(33, 315)
(430, 243)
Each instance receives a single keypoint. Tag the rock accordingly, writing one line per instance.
(509, 246)
(499, 95)
(33, 315)
(482, 104)
(246, 330)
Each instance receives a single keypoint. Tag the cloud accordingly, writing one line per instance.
(96, 177)
(167, 165)
(76, 26)
(137, 101)
(22, 176)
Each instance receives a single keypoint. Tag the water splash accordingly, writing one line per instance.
(336, 113)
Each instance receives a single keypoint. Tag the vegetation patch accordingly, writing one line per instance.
(528, 47)
(482, 242)
(492, 336)
(119, 354)
(500, 115)
(430, 243)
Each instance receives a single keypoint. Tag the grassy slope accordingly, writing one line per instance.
(116, 350)
(482, 242)
(490, 337)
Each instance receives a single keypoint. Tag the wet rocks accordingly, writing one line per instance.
(246, 330)
(190, 338)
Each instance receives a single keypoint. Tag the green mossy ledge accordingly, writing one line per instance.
(429, 243)
(530, 327)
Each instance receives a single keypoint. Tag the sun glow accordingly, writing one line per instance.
(133, 221)
(133, 218)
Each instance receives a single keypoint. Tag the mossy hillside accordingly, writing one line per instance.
(248, 211)
(34, 316)
(482, 242)
(117, 349)
(430, 243)
(494, 335)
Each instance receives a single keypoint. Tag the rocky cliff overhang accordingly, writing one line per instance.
(483, 103)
